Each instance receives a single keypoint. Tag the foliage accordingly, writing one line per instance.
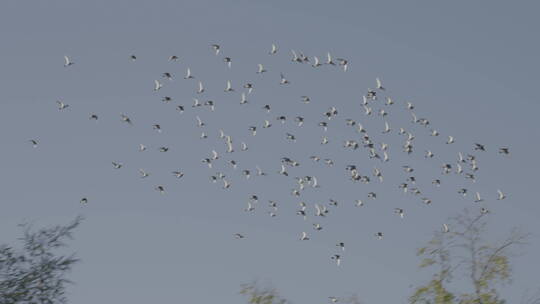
(37, 274)
(257, 295)
(464, 252)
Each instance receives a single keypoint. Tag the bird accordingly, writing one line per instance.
(261, 69)
(283, 171)
(341, 245)
(379, 235)
(143, 173)
(93, 117)
(304, 237)
(160, 188)
(188, 74)
(283, 79)
(142, 147)
(450, 140)
(386, 127)
(479, 147)
(445, 228)
(399, 211)
(84, 200)
(228, 61)
(379, 84)
(178, 174)
(229, 88)
(344, 63)
(157, 85)
(504, 150)
(337, 258)
(68, 62)
(239, 236)
(173, 58)
(201, 88)
(166, 99)
(61, 105)
(117, 165)
(273, 50)
(248, 86)
(243, 146)
(216, 48)
(316, 62)
(200, 123)
(477, 198)
(501, 195)
(329, 59)
(426, 200)
(167, 76)
(133, 57)
(249, 207)
(33, 142)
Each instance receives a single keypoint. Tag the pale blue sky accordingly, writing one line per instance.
(468, 66)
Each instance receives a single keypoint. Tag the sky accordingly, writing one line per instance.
(469, 67)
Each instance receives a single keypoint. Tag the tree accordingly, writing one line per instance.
(258, 295)
(463, 251)
(37, 273)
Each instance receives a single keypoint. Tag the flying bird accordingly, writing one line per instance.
(157, 85)
(273, 50)
(68, 62)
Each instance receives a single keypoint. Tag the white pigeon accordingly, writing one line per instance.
(243, 98)
(283, 79)
(200, 123)
(68, 62)
(261, 69)
(344, 63)
(201, 88)
(243, 146)
(329, 59)
(501, 195)
(143, 173)
(188, 74)
(304, 236)
(337, 258)
(61, 105)
(216, 48)
(450, 140)
(477, 198)
(273, 50)
(386, 127)
(157, 85)
(445, 228)
(229, 87)
(316, 62)
(379, 84)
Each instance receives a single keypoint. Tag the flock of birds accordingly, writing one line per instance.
(375, 104)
